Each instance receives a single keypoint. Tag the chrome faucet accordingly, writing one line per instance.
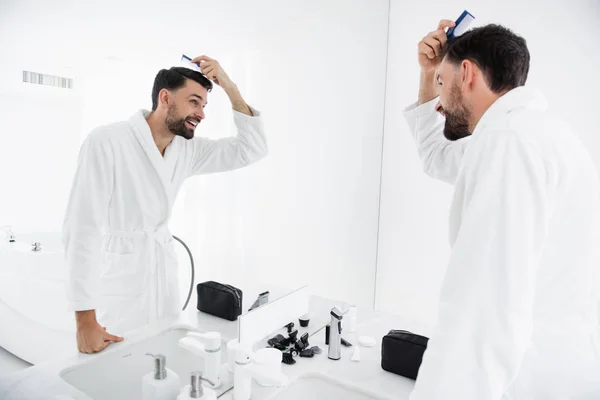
(335, 335)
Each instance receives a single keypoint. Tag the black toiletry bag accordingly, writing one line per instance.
(402, 352)
(223, 301)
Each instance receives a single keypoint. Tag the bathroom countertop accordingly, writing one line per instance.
(366, 373)
(42, 381)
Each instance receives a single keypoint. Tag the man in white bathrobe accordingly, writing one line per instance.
(120, 256)
(518, 314)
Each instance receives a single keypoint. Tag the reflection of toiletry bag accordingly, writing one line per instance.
(402, 352)
(223, 301)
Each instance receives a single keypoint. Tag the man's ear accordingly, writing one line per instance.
(165, 97)
(467, 69)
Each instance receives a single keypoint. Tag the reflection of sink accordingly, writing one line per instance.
(118, 375)
(319, 386)
(33, 301)
(48, 264)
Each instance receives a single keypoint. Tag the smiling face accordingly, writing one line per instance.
(186, 110)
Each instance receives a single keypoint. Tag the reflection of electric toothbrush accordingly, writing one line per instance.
(262, 299)
(461, 25)
(187, 62)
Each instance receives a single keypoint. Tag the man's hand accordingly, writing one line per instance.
(431, 46)
(213, 71)
(429, 50)
(91, 337)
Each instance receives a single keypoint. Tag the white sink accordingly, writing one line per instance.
(117, 375)
(319, 386)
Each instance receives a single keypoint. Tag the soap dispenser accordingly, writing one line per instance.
(195, 390)
(162, 383)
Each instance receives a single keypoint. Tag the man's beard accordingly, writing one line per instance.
(177, 125)
(457, 122)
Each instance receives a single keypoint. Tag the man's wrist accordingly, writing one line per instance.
(85, 318)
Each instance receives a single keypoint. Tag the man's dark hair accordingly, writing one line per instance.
(501, 55)
(175, 78)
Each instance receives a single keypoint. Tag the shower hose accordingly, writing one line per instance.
(192, 266)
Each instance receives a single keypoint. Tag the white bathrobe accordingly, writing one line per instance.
(518, 316)
(119, 251)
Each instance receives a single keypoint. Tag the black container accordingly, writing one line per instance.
(223, 301)
(402, 353)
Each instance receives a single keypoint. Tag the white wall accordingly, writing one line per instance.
(307, 213)
(38, 126)
(413, 247)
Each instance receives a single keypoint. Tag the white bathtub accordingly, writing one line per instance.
(34, 322)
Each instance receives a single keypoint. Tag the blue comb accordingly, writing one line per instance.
(187, 62)
(461, 25)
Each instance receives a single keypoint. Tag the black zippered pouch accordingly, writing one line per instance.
(402, 353)
(220, 300)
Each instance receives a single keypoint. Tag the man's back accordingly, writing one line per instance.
(570, 261)
(566, 304)
(570, 258)
(565, 332)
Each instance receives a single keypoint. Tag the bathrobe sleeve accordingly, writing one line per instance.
(441, 157)
(226, 154)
